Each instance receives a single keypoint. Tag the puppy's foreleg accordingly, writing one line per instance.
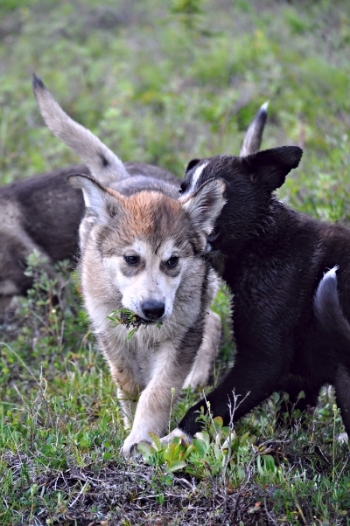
(207, 352)
(252, 379)
(153, 409)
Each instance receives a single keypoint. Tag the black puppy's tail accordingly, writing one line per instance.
(330, 315)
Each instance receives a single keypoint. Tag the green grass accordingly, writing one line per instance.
(163, 82)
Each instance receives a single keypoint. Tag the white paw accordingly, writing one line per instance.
(130, 444)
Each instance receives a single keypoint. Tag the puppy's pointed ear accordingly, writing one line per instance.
(270, 167)
(101, 203)
(192, 164)
(205, 205)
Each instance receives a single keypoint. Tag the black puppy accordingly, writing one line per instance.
(274, 259)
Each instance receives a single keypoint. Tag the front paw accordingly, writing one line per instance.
(129, 448)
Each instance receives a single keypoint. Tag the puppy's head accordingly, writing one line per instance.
(250, 182)
(146, 246)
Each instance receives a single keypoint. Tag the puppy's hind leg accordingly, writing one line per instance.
(342, 391)
(127, 403)
(207, 352)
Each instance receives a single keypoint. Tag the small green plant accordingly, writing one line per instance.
(128, 318)
(173, 455)
(189, 11)
(210, 454)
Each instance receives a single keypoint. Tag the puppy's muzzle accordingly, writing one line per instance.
(153, 310)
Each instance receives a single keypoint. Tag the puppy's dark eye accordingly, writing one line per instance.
(172, 262)
(132, 260)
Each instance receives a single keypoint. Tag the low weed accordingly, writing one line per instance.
(215, 451)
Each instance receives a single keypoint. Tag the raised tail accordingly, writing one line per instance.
(330, 315)
(104, 165)
(253, 137)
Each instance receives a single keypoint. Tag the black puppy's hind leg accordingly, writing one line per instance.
(342, 392)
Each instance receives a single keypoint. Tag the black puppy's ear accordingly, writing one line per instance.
(270, 167)
(192, 164)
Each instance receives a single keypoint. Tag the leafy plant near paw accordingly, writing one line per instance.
(214, 451)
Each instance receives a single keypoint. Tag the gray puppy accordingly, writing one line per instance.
(142, 251)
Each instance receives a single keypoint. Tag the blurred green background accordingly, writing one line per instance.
(162, 81)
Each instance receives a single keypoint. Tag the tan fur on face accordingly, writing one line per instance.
(143, 207)
(148, 214)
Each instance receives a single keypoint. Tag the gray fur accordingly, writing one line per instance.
(102, 162)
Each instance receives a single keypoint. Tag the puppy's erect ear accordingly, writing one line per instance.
(100, 202)
(270, 167)
(205, 205)
(192, 164)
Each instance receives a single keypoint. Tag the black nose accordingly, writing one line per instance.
(153, 310)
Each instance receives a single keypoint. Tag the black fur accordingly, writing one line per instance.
(273, 258)
(331, 317)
